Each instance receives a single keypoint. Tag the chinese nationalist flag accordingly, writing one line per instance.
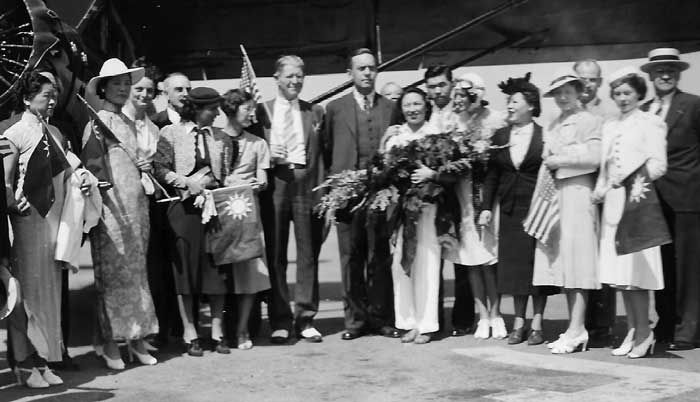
(238, 235)
(642, 224)
(46, 162)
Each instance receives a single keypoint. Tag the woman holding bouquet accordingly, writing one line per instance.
(416, 286)
(569, 259)
(477, 251)
(511, 176)
(632, 140)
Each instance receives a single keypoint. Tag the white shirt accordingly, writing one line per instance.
(360, 99)
(520, 138)
(663, 103)
(444, 120)
(146, 134)
(294, 141)
(173, 116)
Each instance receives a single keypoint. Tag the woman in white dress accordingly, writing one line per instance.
(631, 140)
(416, 292)
(478, 248)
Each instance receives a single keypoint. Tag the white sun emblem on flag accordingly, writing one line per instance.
(238, 206)
(639, 189)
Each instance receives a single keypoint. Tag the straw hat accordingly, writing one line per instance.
(563, 77)
(664, 55)
(113, 68)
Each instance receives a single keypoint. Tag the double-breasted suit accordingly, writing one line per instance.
(351, 137)
(678, 305)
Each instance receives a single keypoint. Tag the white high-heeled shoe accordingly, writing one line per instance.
(483, 329)
(49, 376)
(570, 345)
(498, 328)
(626, 346)
(33, 380)
(144, 358)
(114, 364)
(552, 344)
(643, 349)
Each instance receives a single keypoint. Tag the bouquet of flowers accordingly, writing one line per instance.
(345, 192)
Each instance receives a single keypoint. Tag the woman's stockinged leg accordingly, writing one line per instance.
(538, 305)
(476, 281)
(492, 291)
(216, 303)
(185, 305)
(245, 305)
(520, 306)
(640, 309)
(577, 299)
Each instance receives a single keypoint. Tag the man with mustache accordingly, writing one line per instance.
(438, 82)
(355, 124)
(678, 304)
(176, 86)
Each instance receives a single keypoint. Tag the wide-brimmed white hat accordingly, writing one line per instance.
(664, 55)
(112, 68)
(9, 289)
(562, 77)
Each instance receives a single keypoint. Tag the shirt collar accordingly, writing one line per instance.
(30, 118)
(173, 116)
(666, 99)
(360, 99)
(279, 100)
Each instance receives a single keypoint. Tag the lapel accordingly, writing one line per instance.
(675, 110)
(267, 126)
(350, 113)
(534, 150)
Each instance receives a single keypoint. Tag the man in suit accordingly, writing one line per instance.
(293, 130)
(600, 314)
(678, 304)
(176, 87)
(355, 124)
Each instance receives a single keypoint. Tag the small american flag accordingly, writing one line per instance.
(247, 82)
(543, 215)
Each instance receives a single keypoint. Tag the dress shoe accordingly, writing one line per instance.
(194, 348)
(536, 337)
(389, 332)
(422, 339)
(221, 346)
(498, 328)
(643, 349)
(143, 358)
(310, 334)
(459, 332)
(279, 336)
(409, 336)
(516, 336)
(351, 334)
(569, 345)
(681, 345)
(626, 346)
(50, 377)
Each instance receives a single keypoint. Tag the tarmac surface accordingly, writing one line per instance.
(370, 368)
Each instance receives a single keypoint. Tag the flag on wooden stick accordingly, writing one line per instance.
(248, 77)
(543, 216)
(642, 224)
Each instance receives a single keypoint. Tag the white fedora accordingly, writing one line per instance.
(112, 68)
(664, 55)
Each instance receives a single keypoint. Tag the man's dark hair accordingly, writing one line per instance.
(437, 70)
(357, 52)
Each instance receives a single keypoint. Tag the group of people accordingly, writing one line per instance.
(150, 262)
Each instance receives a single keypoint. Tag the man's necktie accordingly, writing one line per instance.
(365, 105)
(288, 126)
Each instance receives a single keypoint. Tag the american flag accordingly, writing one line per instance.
(247, 82)
(543, 215)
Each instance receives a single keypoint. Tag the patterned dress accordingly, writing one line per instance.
(119, 243)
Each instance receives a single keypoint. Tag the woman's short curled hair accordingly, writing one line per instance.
(29, 86)
(189, 110)
(412, 90)
(633, 80)
(232, 100)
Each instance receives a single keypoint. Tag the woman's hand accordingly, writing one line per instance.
(553, 162)
(85, 184)
(193, 186)
(21, 206)
(144, 166)
(422, 174)
(179, 181)
(485, 217)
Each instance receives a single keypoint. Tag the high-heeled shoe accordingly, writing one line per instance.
(644, 348)
(143, 358)
(498, 328)
(483, 328)
(552, 344)
(570, 345)
(49, 376)
(30, 377)
(626, 346)
(114, 364)
(409, 336)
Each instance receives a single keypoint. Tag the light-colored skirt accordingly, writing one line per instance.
(570, 260)
(640, 270)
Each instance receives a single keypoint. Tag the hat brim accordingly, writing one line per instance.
(646, 67)
(136, 75)
(12, 290)
(558, 84)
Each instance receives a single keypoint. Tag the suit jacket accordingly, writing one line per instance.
(513, 187)
(341, 136)
(312, 120)
(161, 119)
(680, 186)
